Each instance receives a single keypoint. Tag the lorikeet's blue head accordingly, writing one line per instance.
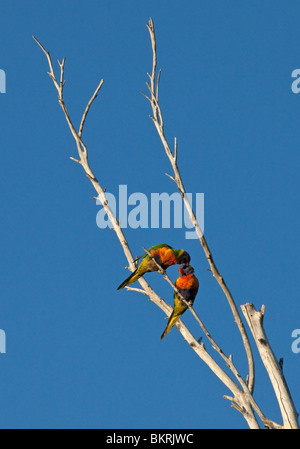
(183, 257)
(185, 269)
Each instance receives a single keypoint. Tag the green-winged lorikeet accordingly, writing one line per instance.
(188, 285)
(164, 255)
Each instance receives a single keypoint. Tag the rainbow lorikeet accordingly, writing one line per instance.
(164, 255)
(188, 285)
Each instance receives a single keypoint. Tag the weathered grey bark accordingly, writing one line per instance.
(255, 321)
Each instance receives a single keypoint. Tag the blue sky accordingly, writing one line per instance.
(81, 354)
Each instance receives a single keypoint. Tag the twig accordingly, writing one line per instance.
(88, 108)
(139, 290)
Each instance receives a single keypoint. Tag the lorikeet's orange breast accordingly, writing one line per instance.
(164, 256)
(187, 282)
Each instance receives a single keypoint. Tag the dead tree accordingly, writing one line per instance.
(242, 389)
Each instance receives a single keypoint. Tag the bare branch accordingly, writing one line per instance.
(88, 108)
(157, 85)
(139, 290)
(75, 160)
(228, 360)
(171, 177)
(255, 321)
(175, 151)
(51, 74)
(62, 68)
(157, 119)
(145, 96)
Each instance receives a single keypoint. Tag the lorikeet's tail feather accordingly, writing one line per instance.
(132, 278)
(172, 320)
